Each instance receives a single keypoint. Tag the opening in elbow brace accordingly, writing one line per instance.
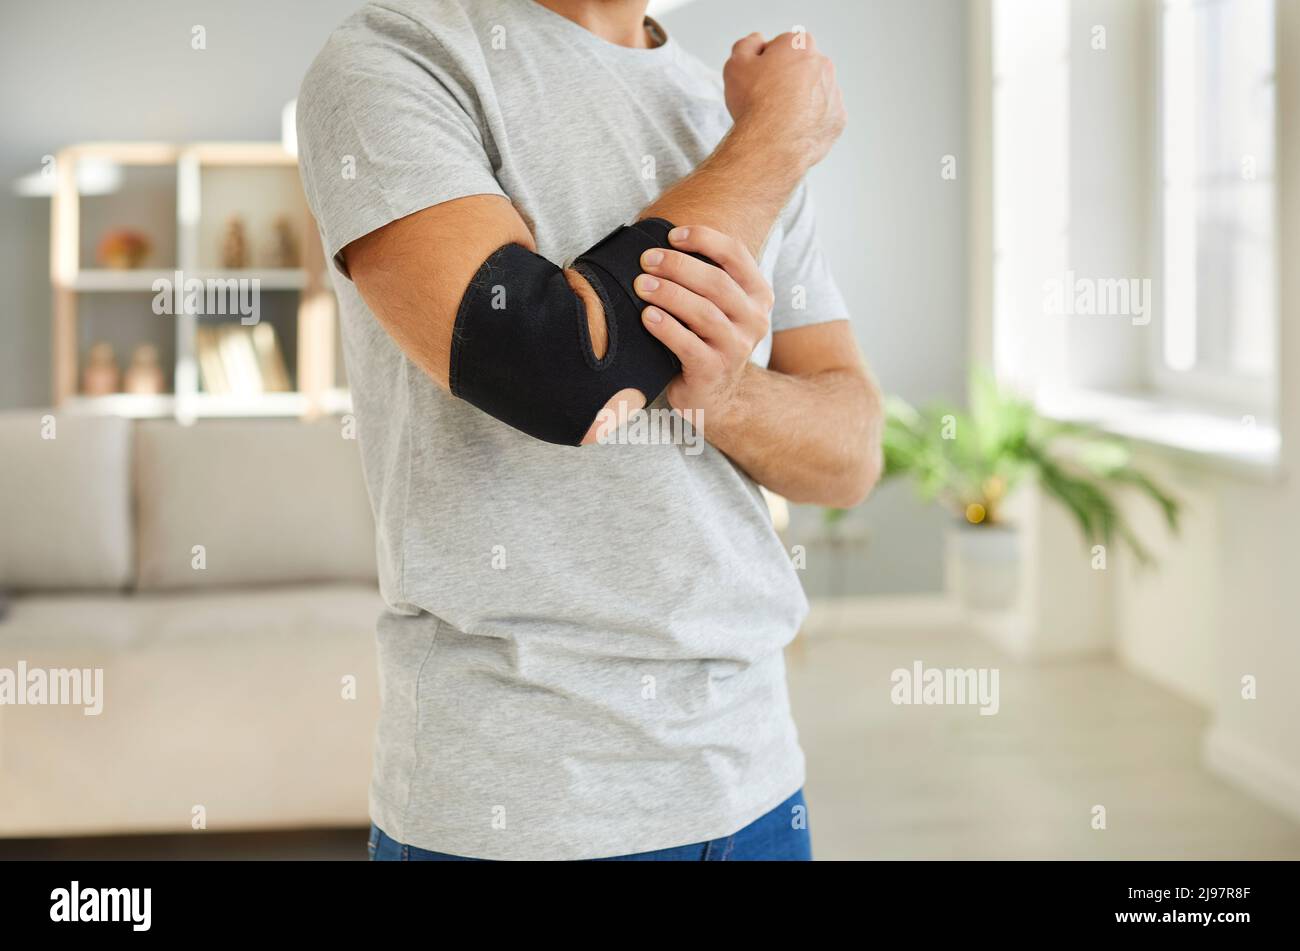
(521, 349)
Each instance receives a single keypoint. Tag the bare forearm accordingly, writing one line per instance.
(813, 439)
(740, 189)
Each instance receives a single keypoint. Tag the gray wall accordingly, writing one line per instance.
(75, 70)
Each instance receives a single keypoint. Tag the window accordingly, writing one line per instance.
(1134, 145)
(1031, 184)
(1218, 323)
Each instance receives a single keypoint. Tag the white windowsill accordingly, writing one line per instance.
(1218, 440)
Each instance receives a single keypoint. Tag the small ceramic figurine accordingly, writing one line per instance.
(100, 376)
(144, 375)
(234, 246)
(284, 249)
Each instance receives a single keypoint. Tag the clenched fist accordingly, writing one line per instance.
(785, 88)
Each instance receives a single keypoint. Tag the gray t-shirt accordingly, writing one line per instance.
(582, 650)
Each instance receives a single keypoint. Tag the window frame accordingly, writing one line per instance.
(1200, 386)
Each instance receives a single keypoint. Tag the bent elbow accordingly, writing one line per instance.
(863, 470)
(857, 482)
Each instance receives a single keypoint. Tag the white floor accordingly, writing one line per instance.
(924, 782)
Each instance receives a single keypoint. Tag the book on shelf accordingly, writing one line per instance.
(241, 361)
(212, 377)
(270, 360)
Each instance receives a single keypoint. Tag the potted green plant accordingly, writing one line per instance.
(970, 462)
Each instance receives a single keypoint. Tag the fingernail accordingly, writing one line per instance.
(679, 234)
(646, 283)
(652, 315)
(652, 257)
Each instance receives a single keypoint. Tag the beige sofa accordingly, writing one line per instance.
(222, 576)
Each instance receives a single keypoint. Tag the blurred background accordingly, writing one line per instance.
(1069, 230)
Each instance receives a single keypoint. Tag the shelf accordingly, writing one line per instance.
(105, 279)
(129, 405)
(270, 279)
(186, 213)
(267, 404)
(207, 405)
(126, 153)
(267, 154)
(336, 402)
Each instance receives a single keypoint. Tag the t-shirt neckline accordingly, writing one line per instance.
(655, 54)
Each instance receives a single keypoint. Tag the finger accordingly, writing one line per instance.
(730, 254)
(705, 318)
(707, 280)
(690, 349)
(750, 45)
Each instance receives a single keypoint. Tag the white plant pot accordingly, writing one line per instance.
(987, 565)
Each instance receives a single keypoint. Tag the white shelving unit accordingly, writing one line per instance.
(248, 177)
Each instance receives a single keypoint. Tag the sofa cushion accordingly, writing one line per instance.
(268, 501)
(65, 501)
(258, 704)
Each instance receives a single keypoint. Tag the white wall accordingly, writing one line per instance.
(1112, 150)
(1073, 123)
(893, 229)
(1256, 743)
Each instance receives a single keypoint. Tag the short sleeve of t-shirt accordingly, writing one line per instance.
(385, 129)
(805, 291)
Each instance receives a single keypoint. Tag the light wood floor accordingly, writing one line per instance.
(918, 782)
(904, 782)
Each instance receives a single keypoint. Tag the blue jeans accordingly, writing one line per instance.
(779, 836)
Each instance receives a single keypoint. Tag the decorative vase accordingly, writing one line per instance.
(144, 376)
(986, 560)
(100, 376)
(122, 249)
(234, 245)
(284, 244)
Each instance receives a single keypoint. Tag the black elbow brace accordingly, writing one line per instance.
(521, 350)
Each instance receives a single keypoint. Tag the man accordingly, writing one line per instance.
(581, 655)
